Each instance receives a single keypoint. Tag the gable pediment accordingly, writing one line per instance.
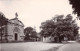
(16, 22)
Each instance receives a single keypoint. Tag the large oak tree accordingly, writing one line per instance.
(60, 26)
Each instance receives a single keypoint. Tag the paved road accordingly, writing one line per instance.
(70, 47)
(28, 46)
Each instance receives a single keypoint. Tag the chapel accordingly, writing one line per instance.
(13, 31)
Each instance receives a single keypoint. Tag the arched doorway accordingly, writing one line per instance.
(16, 32)
(16, 36)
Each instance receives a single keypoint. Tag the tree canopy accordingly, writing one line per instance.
(76, 6)
(3, 19)
(58, 26)
(30, 33)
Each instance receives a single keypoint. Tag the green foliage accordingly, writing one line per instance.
(34, 34)
(30, 33)
(47, 27)
(28, 30)
(58, 26)
(76, 6)
(3, 19)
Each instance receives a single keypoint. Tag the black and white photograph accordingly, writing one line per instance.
(39, 25)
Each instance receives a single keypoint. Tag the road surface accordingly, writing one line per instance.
(28, 46)
(70, 47)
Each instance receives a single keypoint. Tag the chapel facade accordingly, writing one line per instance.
(13, 31)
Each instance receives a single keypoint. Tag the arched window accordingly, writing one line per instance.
(16, 29)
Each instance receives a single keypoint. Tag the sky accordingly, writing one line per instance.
(34, 12)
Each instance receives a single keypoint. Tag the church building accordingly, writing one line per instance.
(13, 31)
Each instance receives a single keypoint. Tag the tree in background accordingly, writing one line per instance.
(60, 27)
(75, 6)
(30, 33)
(27, 32)
(3, 21)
